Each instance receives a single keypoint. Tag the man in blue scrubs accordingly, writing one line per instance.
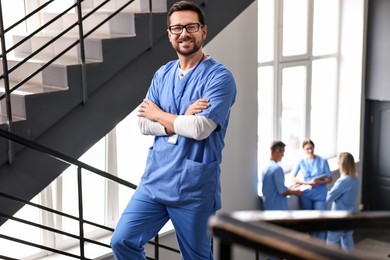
(273, 189)
(187, 109)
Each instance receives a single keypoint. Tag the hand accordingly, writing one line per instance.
(295, 186)
(295, 189)
(298, 192)
(149, 110)
(198, 106)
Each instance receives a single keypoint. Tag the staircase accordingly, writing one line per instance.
(54, 110)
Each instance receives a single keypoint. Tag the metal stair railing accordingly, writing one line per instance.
(80, 166)
(82, 239)
(80, 41)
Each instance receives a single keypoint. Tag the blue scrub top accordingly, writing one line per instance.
(343, 194)
(311, 169)
(273, 188)
(187, 174)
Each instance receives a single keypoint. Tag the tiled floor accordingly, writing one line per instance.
(374, 242)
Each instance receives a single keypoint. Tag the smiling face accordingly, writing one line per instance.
(187, 44)
(309, 150)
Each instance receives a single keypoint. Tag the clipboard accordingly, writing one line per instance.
(322, 176)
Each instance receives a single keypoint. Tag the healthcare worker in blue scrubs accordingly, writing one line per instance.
(343, 196)
(274, 190)
(187, 109)
(312, 171)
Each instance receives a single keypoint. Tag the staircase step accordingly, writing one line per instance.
(54, 74)
(122, 24)
(18, 98)
(92, 46)
(137, 6)
(4, 119)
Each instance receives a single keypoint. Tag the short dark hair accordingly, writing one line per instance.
(186, 6)
(277, 145)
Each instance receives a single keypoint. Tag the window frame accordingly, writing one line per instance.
(281, 62)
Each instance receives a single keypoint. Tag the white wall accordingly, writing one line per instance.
(236, 47)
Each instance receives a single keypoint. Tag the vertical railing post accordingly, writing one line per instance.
(81, 214)
(6, 85)
(82, 52)
(156, 247)
(150, 24)
(225, 250)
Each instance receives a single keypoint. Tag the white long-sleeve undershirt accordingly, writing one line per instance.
(149, 127)
(195, 127)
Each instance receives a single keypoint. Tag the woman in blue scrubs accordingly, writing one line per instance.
(187, 109)
(314, 172)
(343, 196)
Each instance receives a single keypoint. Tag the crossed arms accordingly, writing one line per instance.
(154, 121)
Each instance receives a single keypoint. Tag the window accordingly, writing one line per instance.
(306, 65)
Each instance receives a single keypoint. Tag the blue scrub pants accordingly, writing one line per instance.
(343, 239)
(143, 218)
(309, 204)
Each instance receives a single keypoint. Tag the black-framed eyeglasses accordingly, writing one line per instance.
(190, 28)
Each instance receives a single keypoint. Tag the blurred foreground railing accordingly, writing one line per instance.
(279, 233)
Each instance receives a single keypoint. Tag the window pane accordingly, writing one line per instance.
(21, 231)
(266, 31)
(133, 148)
(323, 105)
(293, 111)
(93, 184)
(325, 27)
(93, 191)
(294, 27)
(265, 99)
(93, 198)
(265, 105)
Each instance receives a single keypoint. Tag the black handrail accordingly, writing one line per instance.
(38, 246)
(82, 54)
(81, 213)
(279, 232)
(30, 223)
(80, 165)
(38, 206)
(63, 157)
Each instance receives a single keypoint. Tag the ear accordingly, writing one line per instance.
(169, 35)
(204, 31)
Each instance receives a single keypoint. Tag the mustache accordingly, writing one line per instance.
(186, 38)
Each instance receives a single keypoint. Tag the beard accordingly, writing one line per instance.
(188, 51)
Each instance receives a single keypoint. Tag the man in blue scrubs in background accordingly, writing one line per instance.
(274, 190)
(187, 109)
